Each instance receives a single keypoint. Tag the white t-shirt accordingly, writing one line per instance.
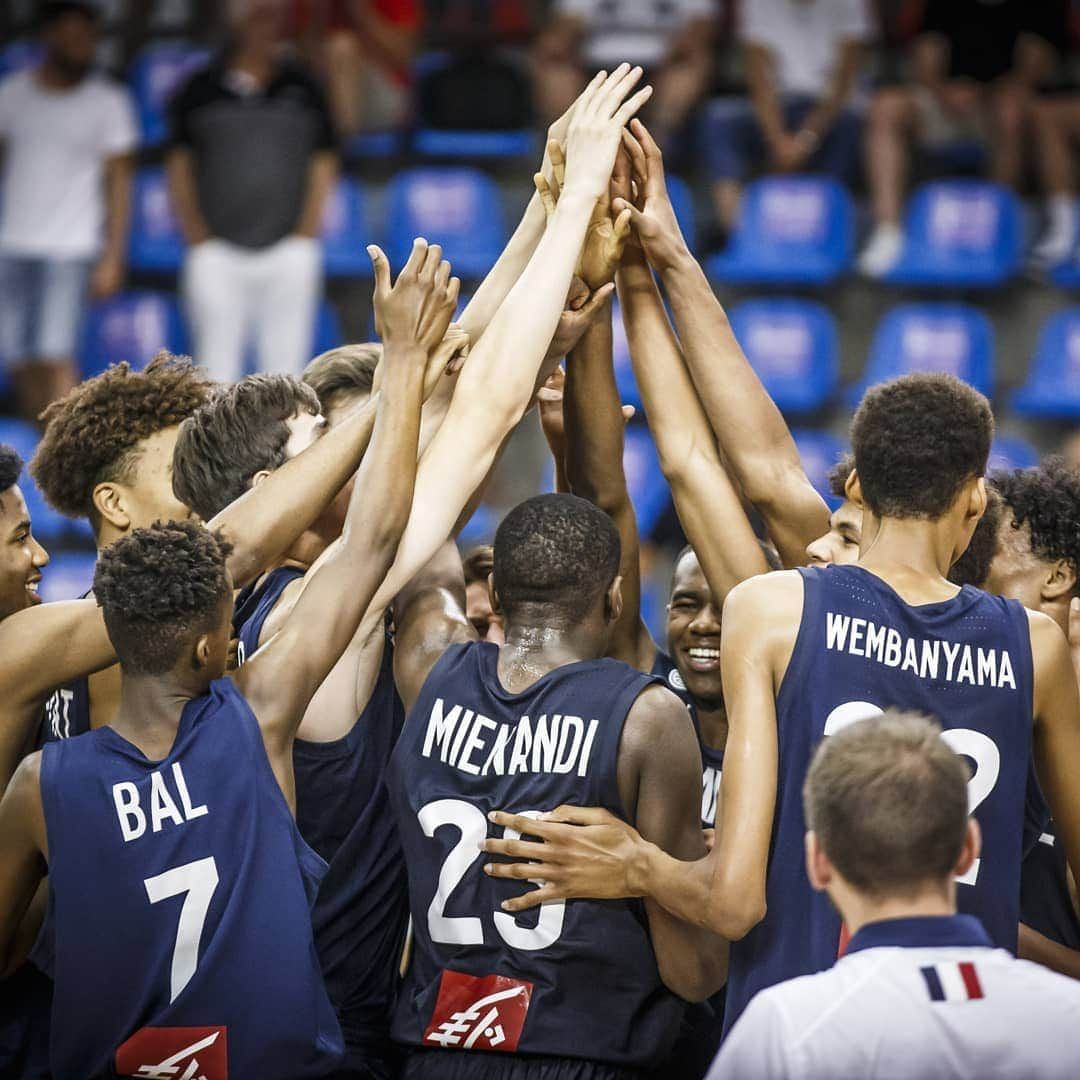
(803, 37)
(55, 147)
(636, 31)
(903, 1013)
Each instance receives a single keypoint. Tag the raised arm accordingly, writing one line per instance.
(499, 380)
(753, 436)
(281, 678)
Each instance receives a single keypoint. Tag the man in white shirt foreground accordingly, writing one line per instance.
(920, 991)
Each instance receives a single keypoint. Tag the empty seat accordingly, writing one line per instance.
(953, 338)
(156, 74)
(1009, 452)
(47, 524)
(1052, 388)
(344, 232)
(459, 208)
(960, 234)
(682, 202)
(156, 243)
(791, 344)
(132, 326)
(645, 481)
(19, 55)
(794, 230)
(819, 452)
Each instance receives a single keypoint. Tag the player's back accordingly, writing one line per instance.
(861, 649)
(575, 979)
(181, 894)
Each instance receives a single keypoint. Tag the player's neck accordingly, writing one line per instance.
(860, 910)
(150, 710)
(530, 652)
(910, 547)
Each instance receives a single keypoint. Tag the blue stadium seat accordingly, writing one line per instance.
(344, 232)
(1009, 452)
(19, 54)
(960, 234)
(645, 481)
(327, 330)
(682, 202)
(953, 338)
(435, 142)
(795, 230)
(156, 74)
(459, 208)
(1052, 388)
(624, 372)
(1067, 275)
(69, 575)
(373, 144)
(132, 326)
(819, 452)
(48, 525)
(791, 344)
(156, 243)
(479, 529)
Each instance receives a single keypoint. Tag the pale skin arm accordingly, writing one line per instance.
(588, 852)
(753, 437)
(185, 201)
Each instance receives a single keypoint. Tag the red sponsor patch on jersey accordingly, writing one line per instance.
(175, 1053)
(479, 1013)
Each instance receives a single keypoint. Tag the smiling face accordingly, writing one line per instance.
(841, 543)
(693, 631)
(21, 556)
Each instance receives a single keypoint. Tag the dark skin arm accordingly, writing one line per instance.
(185, 200)
(1052, 954)
(589, 852)
(282, 677)
(753, 437)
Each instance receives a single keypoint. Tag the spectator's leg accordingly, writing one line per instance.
(731, 138)
(1056, 122)
(218, 303)
(291, 273)
(892, 119)
(1010, 108)
(678, 85)
(839, 150)
(344, 81)
(19, 293)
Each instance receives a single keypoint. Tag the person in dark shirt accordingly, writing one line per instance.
(976, 66)
(251, 163)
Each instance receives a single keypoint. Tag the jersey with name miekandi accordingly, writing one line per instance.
(860, 650)
(574, 979)
(180, 905)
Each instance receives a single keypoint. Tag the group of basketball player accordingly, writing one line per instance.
(272, 810)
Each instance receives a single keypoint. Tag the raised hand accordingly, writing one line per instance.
(651, 213)
(416, 310)
(447, 358)
(592, 139)
(574, 321)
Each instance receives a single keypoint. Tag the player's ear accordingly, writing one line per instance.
(977, 499)
(202, 651)
(111, 504)
(853, 489)
(1060, 580)
(259, 477)
(613, 600)
(970, 851)
(818, 868)
(493, 596)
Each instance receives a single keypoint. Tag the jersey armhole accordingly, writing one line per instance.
(797, 673)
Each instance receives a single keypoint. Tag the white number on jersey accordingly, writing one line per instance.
(972, 744)
(198, 879)
(469, 929)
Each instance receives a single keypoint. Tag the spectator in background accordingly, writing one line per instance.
(977, 64)
(671, 39)
(802, 58)
(367, 47)
(67, 136)
(1057, 129)
(251, 163)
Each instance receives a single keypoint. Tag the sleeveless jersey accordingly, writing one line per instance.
(342, 810)
(572, 980)
(712, 760)
(861, 649)
(180, 896)
(1046, 904)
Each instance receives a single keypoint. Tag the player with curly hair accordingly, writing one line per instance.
(197, 775)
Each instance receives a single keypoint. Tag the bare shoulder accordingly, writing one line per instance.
(1046, 636)
(656, 716)
(773, 599)
(26, 781)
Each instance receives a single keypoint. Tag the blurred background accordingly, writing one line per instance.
(874, 186)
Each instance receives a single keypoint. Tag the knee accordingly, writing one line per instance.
(341, 48)
(890, 108)
(1010, 111)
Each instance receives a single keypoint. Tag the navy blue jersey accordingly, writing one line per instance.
(712, 760)
(66, 713)
(1046, 904)
(575, 979)
(860, 650)
(180, 898)
(343, 812)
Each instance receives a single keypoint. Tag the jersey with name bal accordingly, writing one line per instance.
(343, 811)
(860, 650)
(574, 979)
(180, 907)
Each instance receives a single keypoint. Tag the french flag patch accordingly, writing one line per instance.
(952, 982)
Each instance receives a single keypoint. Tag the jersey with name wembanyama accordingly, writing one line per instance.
(180, 906)
(576, 979)
(860, 650)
